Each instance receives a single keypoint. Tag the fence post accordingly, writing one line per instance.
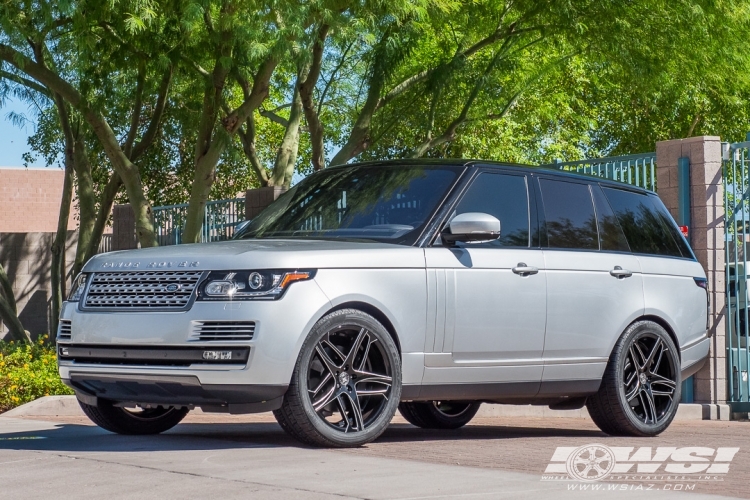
(123, 228)
(706, 220)
(258, 199)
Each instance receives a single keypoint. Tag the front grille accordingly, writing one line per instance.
(223, 330)
(141, 290)
(64, 330)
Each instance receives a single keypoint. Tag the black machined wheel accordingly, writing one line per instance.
(640, 391)
(133, 421)
(346, 385)
(439, 414)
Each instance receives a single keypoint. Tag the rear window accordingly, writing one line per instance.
(648, 228)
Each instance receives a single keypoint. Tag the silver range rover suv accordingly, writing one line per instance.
(430, 287)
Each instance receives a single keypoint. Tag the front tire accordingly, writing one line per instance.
(133, 422)
(641, 387)
(346, 383)
(439, 414)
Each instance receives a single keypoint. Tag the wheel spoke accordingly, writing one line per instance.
(374, 392)
(367, 353)
(349, 360)
(356, 410)
(657, 362)
(652, 355)
(342, 410)
(326, 359)
(634, 356)
(633, 392)
(631, 378)
(335, 349)
(651, 405)
(373, 378)
(661, 380)
(326, 399)
(315, 391)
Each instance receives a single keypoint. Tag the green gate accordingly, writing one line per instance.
(736, 177)
(219, 220)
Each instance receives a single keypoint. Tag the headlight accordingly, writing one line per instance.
(250, 285)
(77, 288)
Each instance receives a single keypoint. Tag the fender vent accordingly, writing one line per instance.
(64, 330)
(222, 330)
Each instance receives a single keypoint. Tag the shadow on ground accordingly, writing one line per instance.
(211, 436)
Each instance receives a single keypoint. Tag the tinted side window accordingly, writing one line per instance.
(505, 197)
(671, 225)
(611, 236)
(641, 222)
(569, 215)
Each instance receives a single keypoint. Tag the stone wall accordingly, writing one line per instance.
(26, 258)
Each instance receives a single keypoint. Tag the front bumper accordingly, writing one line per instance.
(151, 357)
(151, 389)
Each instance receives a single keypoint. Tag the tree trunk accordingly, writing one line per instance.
(57, 265)
(105, 208)
(359, 137)
(8, 312)
(86, 204)
(287, 154)
(317, 133)
(205, 175)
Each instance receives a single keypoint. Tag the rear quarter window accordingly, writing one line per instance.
(647, 226)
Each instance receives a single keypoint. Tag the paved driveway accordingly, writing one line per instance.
(210, 456)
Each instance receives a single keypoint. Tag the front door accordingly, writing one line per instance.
(487, 301)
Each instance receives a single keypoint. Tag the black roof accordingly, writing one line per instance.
(464, 163)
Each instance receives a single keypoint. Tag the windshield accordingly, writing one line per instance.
(383, 203)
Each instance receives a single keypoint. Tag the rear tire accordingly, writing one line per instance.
(641, 387)
(124, 421)
(439, 414)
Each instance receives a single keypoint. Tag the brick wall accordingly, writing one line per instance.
(30, 200)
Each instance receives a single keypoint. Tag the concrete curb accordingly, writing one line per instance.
(67, 406)
(48, 406)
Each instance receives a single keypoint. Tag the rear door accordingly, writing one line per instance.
(667, 262)
(594, 284)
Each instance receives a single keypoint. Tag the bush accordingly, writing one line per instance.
(27, 372)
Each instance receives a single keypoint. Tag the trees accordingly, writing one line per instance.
(180, 101)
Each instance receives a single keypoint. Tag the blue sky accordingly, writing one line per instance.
(13, 138)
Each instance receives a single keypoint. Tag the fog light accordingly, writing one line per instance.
(217, 355)
(63, 351)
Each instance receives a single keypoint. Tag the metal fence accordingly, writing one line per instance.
(638, 170)
(219, 220)
(737, 234)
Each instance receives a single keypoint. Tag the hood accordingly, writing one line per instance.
(262, 254)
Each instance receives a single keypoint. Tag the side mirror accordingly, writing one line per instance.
(472, 226)
(240, 228)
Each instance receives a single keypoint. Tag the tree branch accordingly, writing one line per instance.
(29, 84)
(135, 117)
(153, 127)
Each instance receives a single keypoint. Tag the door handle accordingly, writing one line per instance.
(525, 270)
(621, 273)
